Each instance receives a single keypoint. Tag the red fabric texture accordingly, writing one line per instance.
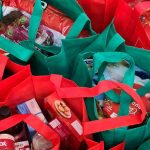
(101, 12)
(128, 24)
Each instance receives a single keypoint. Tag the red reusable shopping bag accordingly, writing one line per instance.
(141, 35)
(35, 123)
(9, 68)
(101, 12)
(128, 22)
(37, 87)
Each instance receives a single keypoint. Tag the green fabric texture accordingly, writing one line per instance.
(57, 62)
(145, 145)
(106, 48)
(1, 13)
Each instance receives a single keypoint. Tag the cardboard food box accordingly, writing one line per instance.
(111, 109)
(57, 108)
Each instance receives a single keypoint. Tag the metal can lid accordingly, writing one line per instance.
(7, 136)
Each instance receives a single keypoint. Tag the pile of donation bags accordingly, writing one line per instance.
(65, 86)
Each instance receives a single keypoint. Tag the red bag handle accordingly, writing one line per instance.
(105, 124)
(3, 62)
(94, 145)
(35, 123)
(100, 146)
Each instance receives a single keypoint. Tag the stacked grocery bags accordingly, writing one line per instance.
(68, 82)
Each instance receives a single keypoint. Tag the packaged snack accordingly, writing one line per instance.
(7, 142)
(24, 145)
(52, 17)
(111, 109)
(31, 107)
(58, 108)
(62, 131)
(16, 24)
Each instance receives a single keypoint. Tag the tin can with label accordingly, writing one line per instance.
(7, 142)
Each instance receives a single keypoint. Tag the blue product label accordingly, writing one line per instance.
(23, 109)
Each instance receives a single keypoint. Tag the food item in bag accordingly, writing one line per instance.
(116, 71)
(52, 17)
(24, 145)
(16, 29)
(40, 143)
(31, 107)
(7, 142)
(58, 108)
(62, 131)
(111, 109)
(18, 131)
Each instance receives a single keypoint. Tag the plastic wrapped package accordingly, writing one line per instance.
(52, 17)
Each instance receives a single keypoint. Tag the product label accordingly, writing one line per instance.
(7, 144)
(62, 109)
(78, 127)
(111, 109)
(22, 145)
(59, 128)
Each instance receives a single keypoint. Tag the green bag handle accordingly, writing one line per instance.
(101, 41)
(100, 61)
(16, 50)
(114, 43)
(81, 22)
(102, 45)
(30, 45)
(111, 39)
(35, 20)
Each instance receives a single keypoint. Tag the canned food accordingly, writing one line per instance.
(7, 142)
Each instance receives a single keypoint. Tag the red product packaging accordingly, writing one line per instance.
(111, 109)
(57, 108)
(62, 131)
(52, 17)
(6, 142)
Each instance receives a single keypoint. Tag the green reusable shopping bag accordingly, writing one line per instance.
(134, 136)
(145, 145)
(106, 45)
(57, 61)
